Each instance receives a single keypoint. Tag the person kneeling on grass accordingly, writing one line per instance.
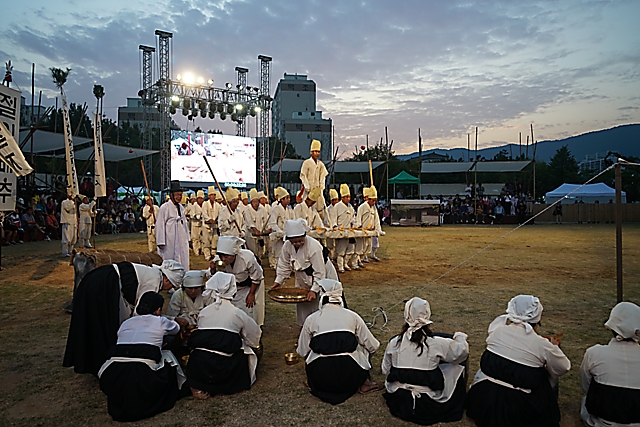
(336, 344)
(517, 384)
(425, 373)
(140, 380)
(222, 361)
(610, 374)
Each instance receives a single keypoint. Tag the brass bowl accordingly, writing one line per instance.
(288, 295)
(291, 358)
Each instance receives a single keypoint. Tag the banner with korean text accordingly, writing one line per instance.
(100, 183)
(10, 117)
(72, 177)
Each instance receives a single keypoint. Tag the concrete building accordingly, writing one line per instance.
(134, 114)
(595, 163)
(295, 118)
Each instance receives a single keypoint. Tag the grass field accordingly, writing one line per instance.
(571, 268)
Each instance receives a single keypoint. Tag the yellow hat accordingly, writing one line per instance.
(243, 195)
(333, 194)
(315, 194)
(315, 145)
(184, 199)
(365, 192)
(231, 194)
(281, 193)
(192, 196)
(167, 197)
(211, 189)
(344, 190)
(253, 194)
(373, 193)
(218, 196)
(261, 195)
(147, 197)
(200, 194)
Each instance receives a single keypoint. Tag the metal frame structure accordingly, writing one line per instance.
(147, 104)
(265, 88)
(164, 76)
(242, 88)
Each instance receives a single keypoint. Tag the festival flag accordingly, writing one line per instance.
(11, 154)
(10, 117)
(72, 177)
(99, 172)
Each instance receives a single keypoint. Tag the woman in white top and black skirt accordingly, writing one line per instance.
(610, 374)
(336, 344)
(222, 360)
(426, 378)
(517, 381)
(140, 380)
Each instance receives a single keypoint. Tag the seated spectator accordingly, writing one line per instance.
(52, 226)
(610, 374)
(336, 345)
(498, 211)
(12, 227)
(129, 220)
(222, 360)
(517, 381)
(29, 224)
(425, 373)
(140, 380)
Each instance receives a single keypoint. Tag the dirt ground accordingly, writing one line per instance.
(570, 267)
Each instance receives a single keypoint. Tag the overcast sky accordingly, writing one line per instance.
(567, 66)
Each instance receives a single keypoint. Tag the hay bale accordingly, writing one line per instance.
(102, 257)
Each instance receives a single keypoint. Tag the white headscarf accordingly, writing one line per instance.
(523, 310)
(417, 313)
(222, 286)
(625, 321)
(229, 245)
(193, 279)
(295, 227)
(333, 290)
(173, 270)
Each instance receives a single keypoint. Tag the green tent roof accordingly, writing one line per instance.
(404, 178)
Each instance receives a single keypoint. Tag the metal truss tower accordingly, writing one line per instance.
(164, 79)
(241, 126)
(265, 94)
(147, 105)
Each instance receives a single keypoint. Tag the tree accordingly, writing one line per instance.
(563, 168)
(502, 156)
(376, 153)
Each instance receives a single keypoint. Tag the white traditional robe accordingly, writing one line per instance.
(309, 214)
(172, 232)
(345, 251)
(226, 222)
(196, 228)
(277, 220)
(210, 212)
(313, 174)
(68, 221)
(258, 219)
(181, 305)
(150, 219)
(86, 213)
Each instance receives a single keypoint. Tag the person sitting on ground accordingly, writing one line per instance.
(336, 345)
(425, 374)
(187, 302)
(222, 360)
(106, 297)
(610, 374)
(517, 381)
(52, 227)
(140, 380)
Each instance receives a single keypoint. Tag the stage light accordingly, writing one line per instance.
(202, 105)
(210, 82)
(239, 107)
(172, 109)
(220, 108)
(141, 93)
(229, 85)
(223, 116)
(212, 114)
(230, 109)
(175, 100)
(189, 79)
(200, 80)
(186, 103)
(185, 111)
(179, 77)
(257, 108)
(239, 87)
(256, 89)
(234, 117)
(203, 113)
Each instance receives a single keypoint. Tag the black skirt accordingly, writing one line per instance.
(427, 411)
(335, 379)
(215, 373)
(611, 403)
(493, 405)
(134, 390)
(95, 320)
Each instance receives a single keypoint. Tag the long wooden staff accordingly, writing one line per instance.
(371, 173)
(221, 193)
(146, 184)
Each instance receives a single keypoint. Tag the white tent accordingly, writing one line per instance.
(589, 193)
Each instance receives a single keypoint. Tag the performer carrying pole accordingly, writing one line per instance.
(221, 192)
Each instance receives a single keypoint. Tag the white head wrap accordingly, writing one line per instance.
(295, 227)
(229, 245)
(417, 313)
(333, 290)
(173, 270)
(523, 310)
(222, 286)
(625, 321)
(193, 279)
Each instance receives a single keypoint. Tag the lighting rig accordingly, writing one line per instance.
(195, 97)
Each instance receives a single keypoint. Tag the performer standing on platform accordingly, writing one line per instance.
(150, 213)
(313, 174)
(172, 233)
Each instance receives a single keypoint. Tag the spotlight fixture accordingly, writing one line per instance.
(189, 79)
(175, 101)
(257, 108)
(230, 109)
(186, 104)
(200, 80)
(220, 108)
(212, 114)
(210, 82)
(223, 116)
(179, 77)
(239, 107)
(256, 89)
(172, 109)
(229, 85)
(185, 111)
(203, 113)
(239, 87)
(234, 117)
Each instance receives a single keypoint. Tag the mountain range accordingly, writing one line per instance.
(624, 139)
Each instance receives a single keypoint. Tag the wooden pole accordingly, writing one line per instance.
(619, 232)
(468, 147)
(520, 143)
(419, 165)
(146, 184)
(475, 179)
(386, 142)
(533, 149)
(370, 173)
(221, 193)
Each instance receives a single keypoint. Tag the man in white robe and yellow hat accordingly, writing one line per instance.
(210, 212)
(345, 247)
(69, 223)
(369, 220)
(196, 223)
(307, 211)
(279, 216)
(150, 213)
(230, 217)
(313, 174)
(255, 219)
